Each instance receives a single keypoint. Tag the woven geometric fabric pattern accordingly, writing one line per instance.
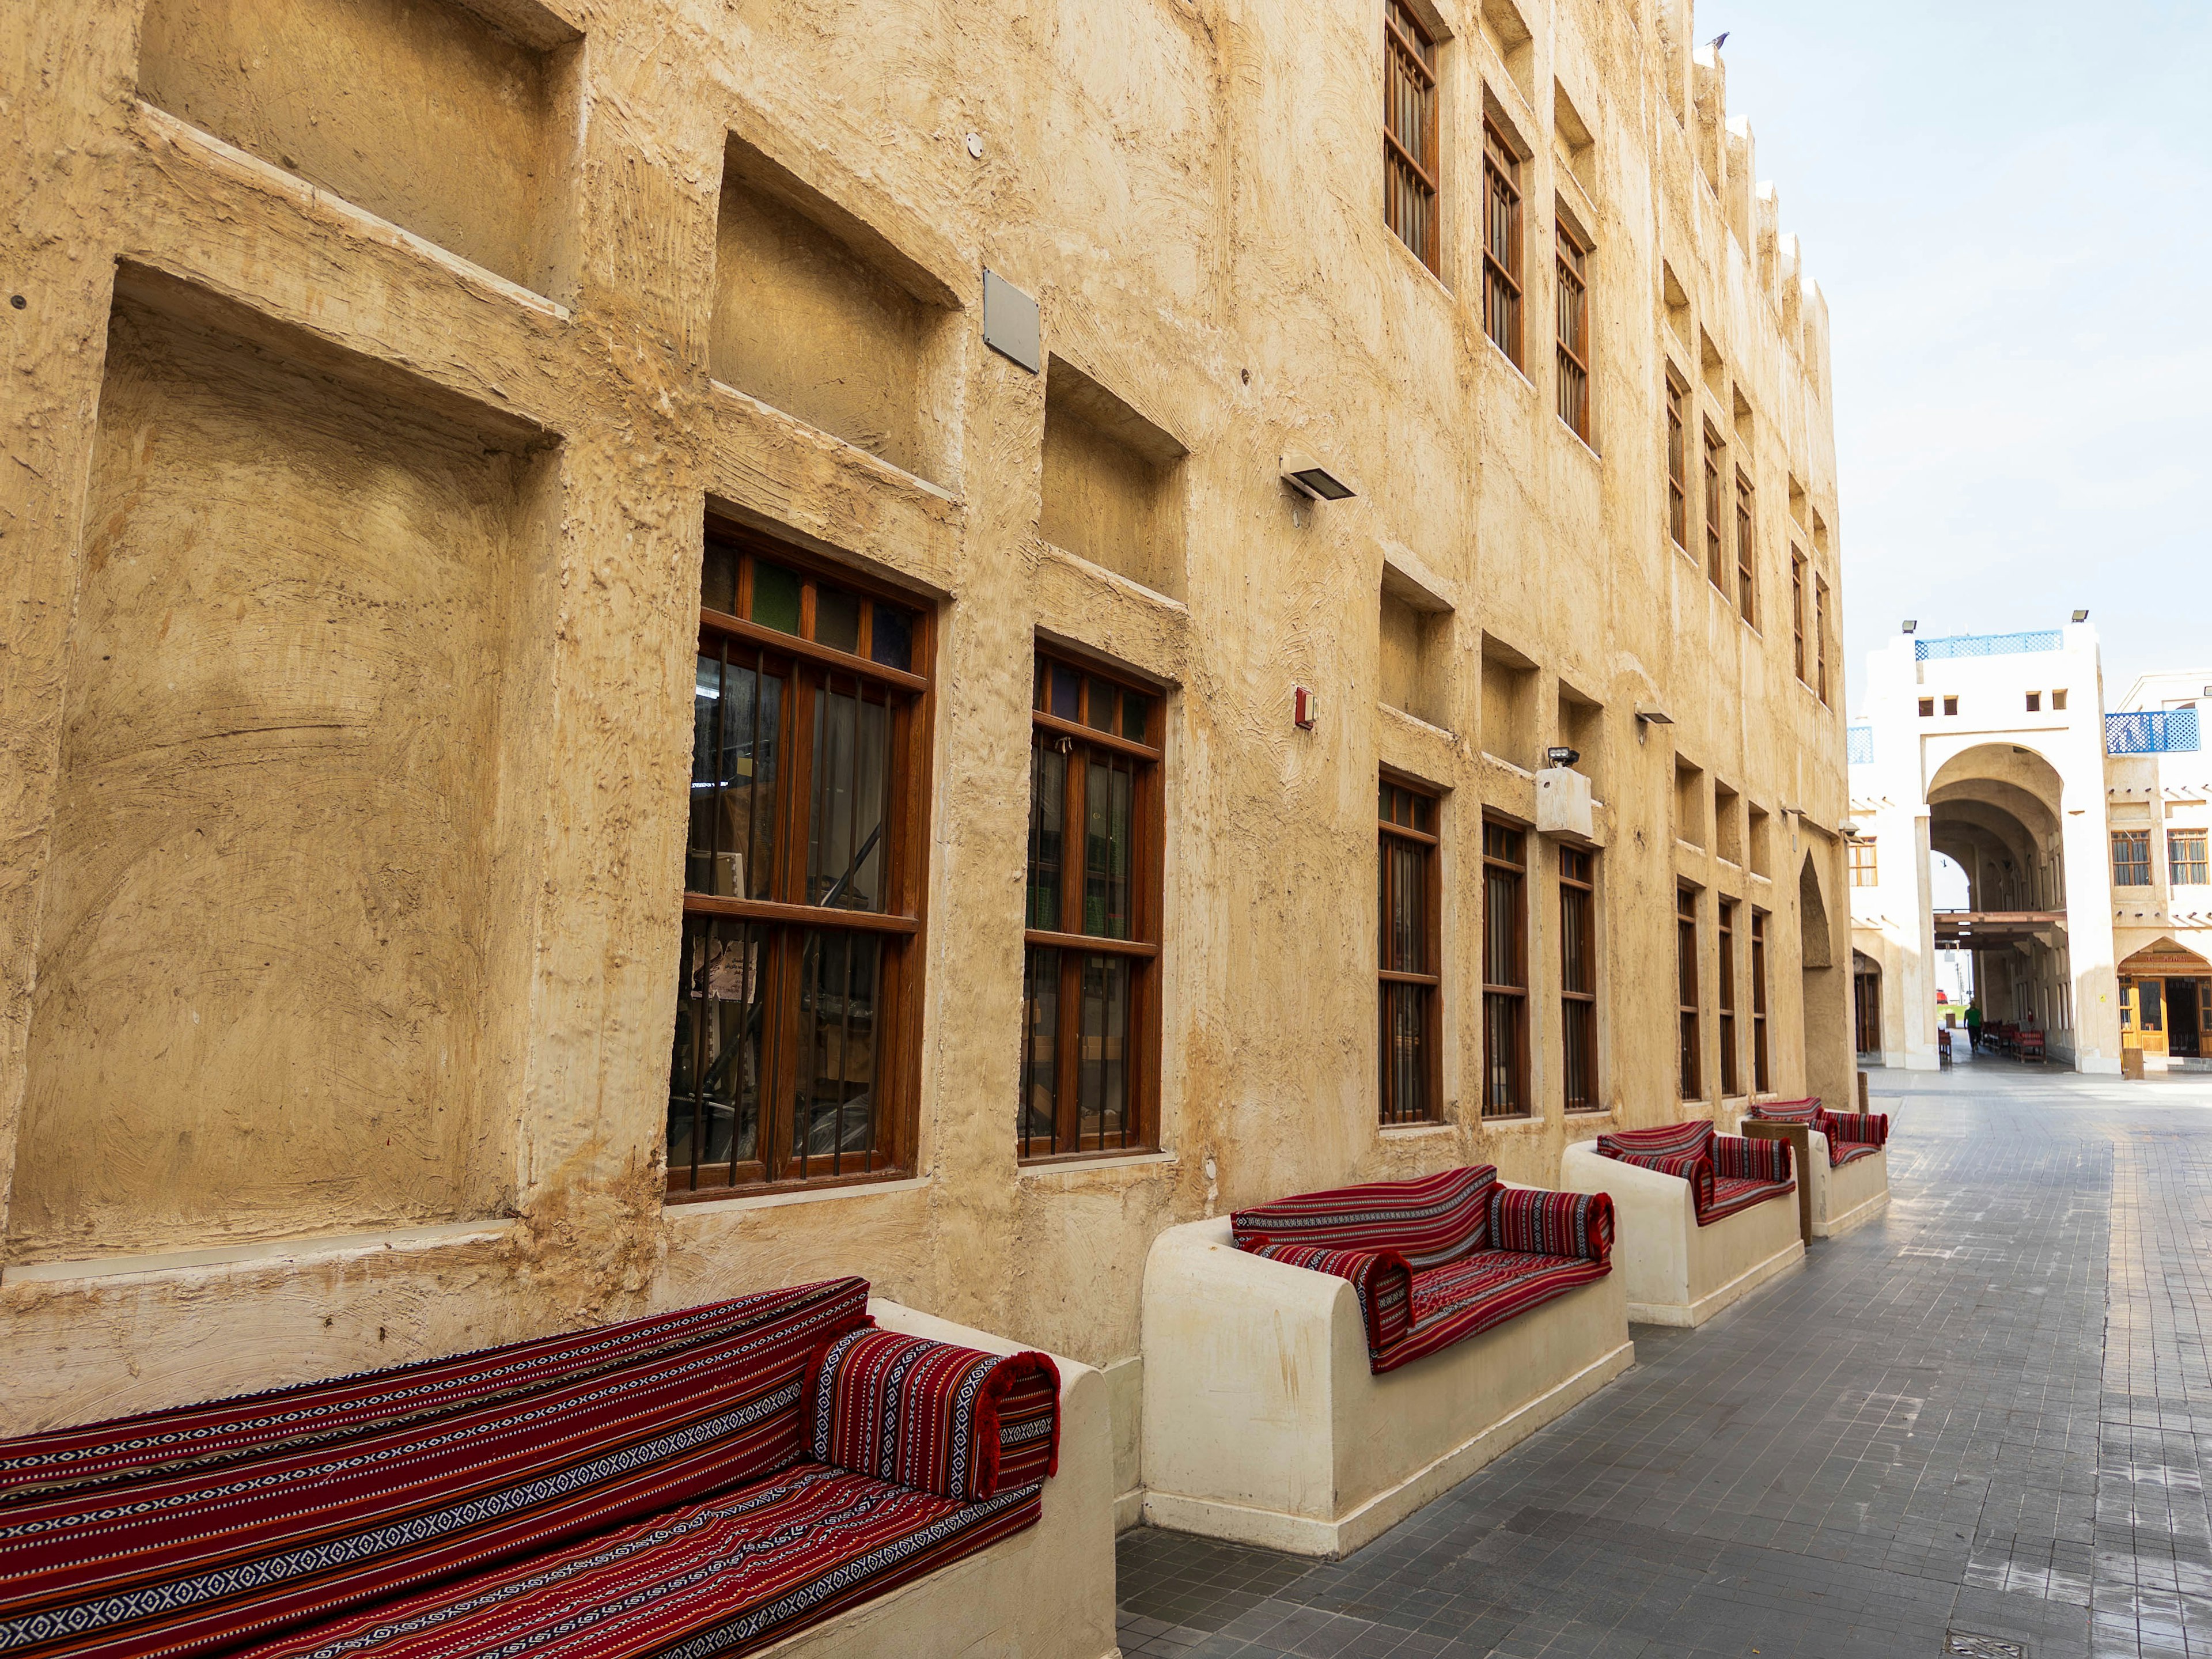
(1429, 1221)
(1380, 1278)
(1735, 1157)
(1466, 1297)
(1734, 1193)
(1694, 1138)
(1029, 1429)
(1806, 1111)
(917, 1412)
(722, 1576)
(1870, 1129)
(1851, 1135)
(193, 1531)
(1696, 1168)
(1727, 1174)
(1533, 1221)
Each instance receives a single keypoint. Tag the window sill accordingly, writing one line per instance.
(1417, 1131)
(1420, 266)
(1524, 1121)
(687, 1207)
(1518, 771)
(1588, 447)
(1505, 357)
(1095, 1163)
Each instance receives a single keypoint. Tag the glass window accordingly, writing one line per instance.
(1410, 961)
(1574, 330)
(1501, 241)
(2184, 858)
(1762, 1079)
(1504, 971)
(1686, 975)
(1410, 161)
(1730, 1082)
(1578, 978)
(2131, 857)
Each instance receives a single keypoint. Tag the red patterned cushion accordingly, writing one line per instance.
(723, 1576)
(1734, 1193)
(1696, 1168)
(1806, 1111)
(1739, 1157)
(1870, 1129)
(201, 1528)
(1466, 1297)
(920, 1413)
(1530, 1219)
(1429, 1221)
(1693, 1139)
(1381, 1279)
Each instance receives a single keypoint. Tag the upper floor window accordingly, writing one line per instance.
(1761, 1078)
(1678, 465)
(1865, 871)
(1685, 990)
(794, 1057)
(1501, 241)
(1090, 964)
(1505, 970)
(1747, 595)
(1410, 957)
(2184, 858)
(1574, 353)
(2035, 703)
(1729, 1081)
(1409, 130)
(1797, 607)
(1578, 978)
(1820, 636)
(2130, 858)
(1716, 512)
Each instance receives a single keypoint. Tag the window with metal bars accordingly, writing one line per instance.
(1730, 1080)
(2130, 858)
(1746, 589)
(1090, 1069)
(1574, 352)
(1714, 509)
(1409, 163)
(1686, 977)
(1501, 241)
(1762, 1079)
(794, 1060)
(1797, 606)
(2185, 864)
(1578, 978)
(1820, 636)
(1504, 971)
(1411, 959)
(1678, 463)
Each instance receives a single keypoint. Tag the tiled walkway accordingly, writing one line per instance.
(1987, 1414)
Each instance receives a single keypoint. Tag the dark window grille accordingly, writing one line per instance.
(1685, 970)
(1410, 957)
(1820, 636)
(1731, 1082)
(1747, 600)
(1762, 1079)
(1501, 242)
(1504, 971)
(1678, 465)
(1409, 131)
(1578, 978)
(1574, 353)
(801, 878)
(1797, 606)
(1090, 1069)
(1714, 509)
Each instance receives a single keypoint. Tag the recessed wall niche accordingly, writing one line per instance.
(1509, 705)
(1416, 650)
(821, 315)
(1113, 482)
(283, 961)
(428, 113)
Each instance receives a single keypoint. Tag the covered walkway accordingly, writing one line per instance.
(1985, 1416)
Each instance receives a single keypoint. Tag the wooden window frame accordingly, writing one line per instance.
(1690, 1038)
(809, 671)
(1505, 998)
(1504, 219)
(2137, 842)
(1724, 973)
(1820, 636)
(1571, 255)
(1075, 740)
(1868, 866)
(1715, 572)
(1678, 462)
(1579, 1049)
(2186, 861)
(1747, 551)
(1412, 194)
(1797, 610)
(1762, 1071)
(1409, 823)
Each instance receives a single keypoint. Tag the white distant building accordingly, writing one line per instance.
(2082, 833)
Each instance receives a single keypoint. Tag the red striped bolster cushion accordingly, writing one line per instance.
(1738, 1158)
(925, 1414)
(1028, 1429)
(1693, 1167)
(193, 1563)
(1808, 1111)
(1538, 1222)
(1871, 1129)
(1380, 1278)
(1429, 1221)
(1694, 1139)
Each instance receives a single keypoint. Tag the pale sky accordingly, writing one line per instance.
(2008, 208)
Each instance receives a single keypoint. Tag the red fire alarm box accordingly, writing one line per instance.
(1305, 706)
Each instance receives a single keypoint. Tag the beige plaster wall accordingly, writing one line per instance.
(1192, 194)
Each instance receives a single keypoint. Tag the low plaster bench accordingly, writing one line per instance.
(803, 1471)
(1365, 1352)
(1704, 1220)
(1847, 1169)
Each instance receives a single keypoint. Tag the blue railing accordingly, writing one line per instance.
(2152, 732)
(1862, 745)
(1986, 645)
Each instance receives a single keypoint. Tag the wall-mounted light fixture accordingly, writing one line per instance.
(1311, 478)
(1562, 757)
(2081, 616)
(1911, 626)
(1848, 831)
(1650, 714)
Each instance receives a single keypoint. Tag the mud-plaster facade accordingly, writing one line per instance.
(377, 365)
